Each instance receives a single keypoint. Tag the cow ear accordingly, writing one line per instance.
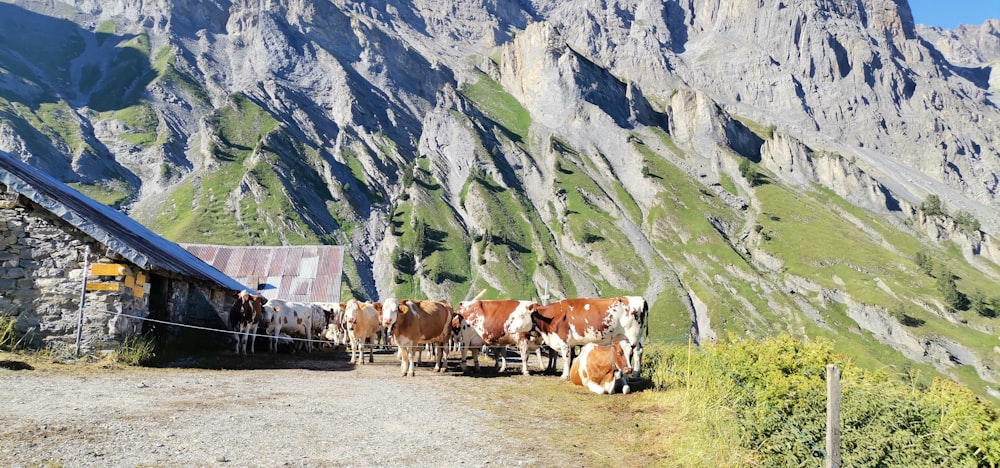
(403, 308)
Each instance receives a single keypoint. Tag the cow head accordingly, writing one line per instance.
(270, 311)
(456, 324)
(351, 314)
(621, 357)
(242, 310)
(390, 312)
(330, 310)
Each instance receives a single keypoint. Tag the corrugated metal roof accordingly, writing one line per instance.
(309, 273)
(114, 229)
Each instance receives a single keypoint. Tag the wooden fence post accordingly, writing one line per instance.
(832, 416)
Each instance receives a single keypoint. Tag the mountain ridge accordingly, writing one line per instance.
(550, 149)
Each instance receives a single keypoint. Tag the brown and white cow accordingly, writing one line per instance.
(413, 323)
(362, 322)
(382, 338)
(319, 322)
(292, 318)
(571, 322)
(601, 367)
(493, 323)
(638, 307)
(244, 317)
(334, 314)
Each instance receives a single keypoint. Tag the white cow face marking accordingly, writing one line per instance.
(390, 312)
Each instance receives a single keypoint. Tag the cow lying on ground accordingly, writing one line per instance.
(244, 317)
(493, 323)
(293, 318)
(361, 320)
(600, 368)
(413, 323)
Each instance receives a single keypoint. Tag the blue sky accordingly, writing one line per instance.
(950, 13)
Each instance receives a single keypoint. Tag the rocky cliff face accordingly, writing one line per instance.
(539, 148)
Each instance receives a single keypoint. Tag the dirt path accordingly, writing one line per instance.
(317, 411)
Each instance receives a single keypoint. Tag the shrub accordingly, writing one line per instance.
(932, 206)
(748, 171)
(924, 262)
(980, 305)
(135, 350)
(8, 337)
(946, 286)
(774, 391)
(967, 221)
(404, 262)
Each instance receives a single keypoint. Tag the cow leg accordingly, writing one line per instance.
(566, 354)
(404, 361)
(500, 358)
(371, 351)
(415, 364)
(636, 360)
(538, 354)
(440, 357)
(361, 352)
(350, 347)
(475, 358)
(461, 358)
(600, 389)
(625, 388)
(522, 347)
(251, 339)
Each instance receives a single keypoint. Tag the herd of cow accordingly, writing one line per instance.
(611, 331)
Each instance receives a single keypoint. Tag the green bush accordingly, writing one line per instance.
(749, 172)
(775, 392)
(8, 338)
(135, 350)
(932, 206)
(967, 221)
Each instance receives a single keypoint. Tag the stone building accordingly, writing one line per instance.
(151, 284)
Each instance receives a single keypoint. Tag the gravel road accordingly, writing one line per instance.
(313, 411)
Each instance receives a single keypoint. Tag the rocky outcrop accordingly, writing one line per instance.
(795, 162)
(973, 46)
(327, 112)
(942, 353)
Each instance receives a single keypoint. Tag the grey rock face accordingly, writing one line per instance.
(846, 94)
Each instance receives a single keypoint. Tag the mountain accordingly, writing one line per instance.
(825, 169)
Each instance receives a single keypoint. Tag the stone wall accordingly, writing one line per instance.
(41, 280)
